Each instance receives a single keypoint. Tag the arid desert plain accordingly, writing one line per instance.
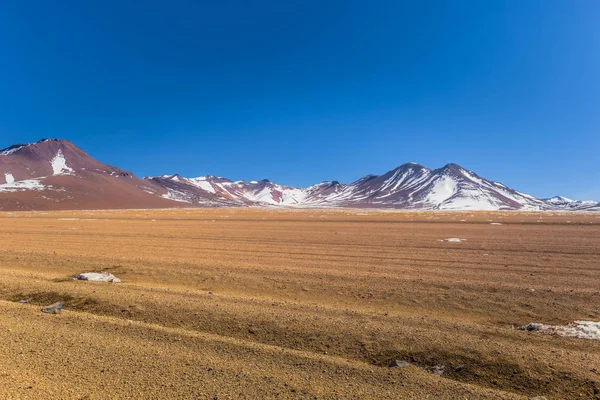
(258, 304)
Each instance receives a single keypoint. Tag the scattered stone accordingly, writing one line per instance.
(25, 301)
(531, 327)
(538, 398)
(53, 308)
(398, 363)
(459, 368)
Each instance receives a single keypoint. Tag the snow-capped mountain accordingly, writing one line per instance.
(211, 190)
(564, 203)
(56, 174)
(410, 186)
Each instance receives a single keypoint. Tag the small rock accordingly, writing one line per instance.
(98, 277)
(533, 327)
(538, 398)
(459, 368)
(53, 308)
(398, 363)
(25, 301)
(438, 370)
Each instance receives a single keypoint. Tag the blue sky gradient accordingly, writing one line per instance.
(305, 91)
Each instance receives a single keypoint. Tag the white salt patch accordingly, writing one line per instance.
(455, 240)
(202, 183)
(578, 329)
(495, 223)
(9, 178)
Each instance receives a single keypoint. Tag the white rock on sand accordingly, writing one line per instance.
(98, 277)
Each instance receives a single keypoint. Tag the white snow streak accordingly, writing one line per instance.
(29, 184)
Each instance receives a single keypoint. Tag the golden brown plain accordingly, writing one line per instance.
(228, 304)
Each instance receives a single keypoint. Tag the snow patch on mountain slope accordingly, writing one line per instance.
(9, 178)
(177, 195)
(29, 184)
(59, 164)
(12, 149)
(471, 200)
(294, 196)
(443, 188)
(201, 183)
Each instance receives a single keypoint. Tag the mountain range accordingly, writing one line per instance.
(55, 174)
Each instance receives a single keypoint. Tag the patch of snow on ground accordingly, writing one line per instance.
(578, 329)
(455, 240)
(59, 164)
(9, 178)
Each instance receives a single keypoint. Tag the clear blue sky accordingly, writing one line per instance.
(304, 91)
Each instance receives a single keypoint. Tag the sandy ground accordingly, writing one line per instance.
(232, 304)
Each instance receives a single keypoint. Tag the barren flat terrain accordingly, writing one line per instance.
(231, 303)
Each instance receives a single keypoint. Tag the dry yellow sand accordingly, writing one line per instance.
(255, 304)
